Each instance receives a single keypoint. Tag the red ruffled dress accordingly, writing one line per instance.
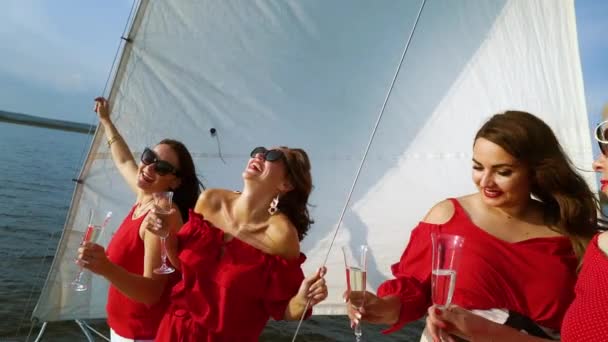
(534, 277)
(228, 289)
(587, 317)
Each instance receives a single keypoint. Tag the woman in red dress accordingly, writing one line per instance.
(587, 317)
(239, 254)
(525, 231)
(133, 252)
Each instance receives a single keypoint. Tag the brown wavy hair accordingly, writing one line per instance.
(186, 194)
(294, 203)
(569, 203)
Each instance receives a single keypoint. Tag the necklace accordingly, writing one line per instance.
(142, 208)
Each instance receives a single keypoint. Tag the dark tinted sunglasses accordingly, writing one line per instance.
(269, 155)
(160, 166)
(601, 135)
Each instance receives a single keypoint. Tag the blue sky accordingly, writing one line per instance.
(57, 54)
(592, 26)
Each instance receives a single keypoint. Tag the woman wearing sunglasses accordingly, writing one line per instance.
(587, 317)
(134, 252)
(240, 254)
(525, 230)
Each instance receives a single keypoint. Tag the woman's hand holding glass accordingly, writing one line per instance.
(163, 224)
(375, 310)
(93, 257)
(455, 322)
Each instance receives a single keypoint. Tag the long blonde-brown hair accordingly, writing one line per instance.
(569, 203)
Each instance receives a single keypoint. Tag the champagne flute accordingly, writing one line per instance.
(355, 262)
(446, 255)
(92, 234)
(162, 206)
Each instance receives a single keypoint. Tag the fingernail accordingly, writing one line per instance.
(437, 311)
(358, 315)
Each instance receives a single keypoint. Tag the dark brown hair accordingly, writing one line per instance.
(294, 203)
(569, 203)
(186, 194)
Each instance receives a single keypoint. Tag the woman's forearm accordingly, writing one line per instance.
(392, 309)
(295, 309)
(118, 147)
(137, 287)
(121, 155)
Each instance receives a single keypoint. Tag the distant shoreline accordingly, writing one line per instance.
(30, 120)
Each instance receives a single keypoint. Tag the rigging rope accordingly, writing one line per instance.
(371, 139)
(111, 73)
(82, 155)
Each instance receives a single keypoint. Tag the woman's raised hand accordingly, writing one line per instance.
(102, 108)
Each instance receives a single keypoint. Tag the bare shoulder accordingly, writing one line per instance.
(212, 199)
(283, 238)
(440, 213)
(602, 242)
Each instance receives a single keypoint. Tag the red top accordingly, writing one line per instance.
(534, 277)
(128, 318)
(587, 317)
(228, 289)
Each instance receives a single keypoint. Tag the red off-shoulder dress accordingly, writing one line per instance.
(534, 277)
(228, 289)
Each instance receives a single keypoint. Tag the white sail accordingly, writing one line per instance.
(315, 74)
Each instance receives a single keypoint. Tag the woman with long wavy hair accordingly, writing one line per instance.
(586, 318)
(525, 230)
(240, 253)
(134, 253)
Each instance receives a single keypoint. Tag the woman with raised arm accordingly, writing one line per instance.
(240, 254)
(525, 230)
(587, 316)
(138, 298)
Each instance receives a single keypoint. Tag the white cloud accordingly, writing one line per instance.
(36, 50)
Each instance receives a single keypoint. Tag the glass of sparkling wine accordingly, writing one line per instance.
(162, 206)
(91, 234)
(446, 255)
(355, 261)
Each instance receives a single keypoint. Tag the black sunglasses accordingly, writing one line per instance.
(269, 155)
(160, 166)
(601, 132)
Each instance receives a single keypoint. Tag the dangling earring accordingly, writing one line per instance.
(274, 206)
